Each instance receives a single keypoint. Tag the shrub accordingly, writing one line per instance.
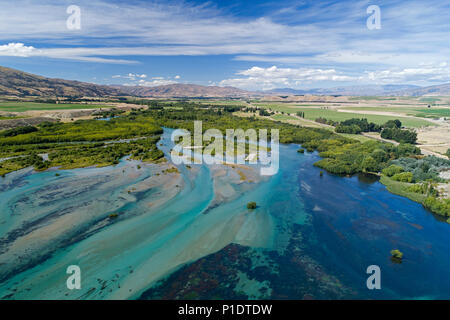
(354, 129)
(392, 170)
(426, 188)
(403, 177)
(369, 165)
(438, 206)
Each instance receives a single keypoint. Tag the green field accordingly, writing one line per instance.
(358, 137)
(282, 117)
(234, 103)
(27, 106)
(314, 113)
(373, 98)
(411, 111)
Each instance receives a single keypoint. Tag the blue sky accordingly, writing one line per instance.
(256, 45)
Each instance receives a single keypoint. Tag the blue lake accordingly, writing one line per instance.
(311, 236)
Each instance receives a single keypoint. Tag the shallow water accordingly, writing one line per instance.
(340, 225)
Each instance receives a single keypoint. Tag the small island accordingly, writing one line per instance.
(251, 205)
(396, 256)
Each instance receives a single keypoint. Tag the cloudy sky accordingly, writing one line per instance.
(255, 45)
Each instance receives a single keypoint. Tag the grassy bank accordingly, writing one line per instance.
(401, 189)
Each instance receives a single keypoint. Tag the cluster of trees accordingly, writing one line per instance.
(264, 113)
(424, 173)
(357, 126)
(370, 156)
(108, 113)
(390, 130)
(427, 188)
(85, 130)
(438, 206)
(16, 131)
(399, 135)
(326, 121)
(427, 168)
(353, 125)
(80, 143)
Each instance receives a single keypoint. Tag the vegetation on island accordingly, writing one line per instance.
(251, 205)
(79, 144)
(396, 256)
(389, 130)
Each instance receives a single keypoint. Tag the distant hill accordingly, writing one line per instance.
(21, 84)
(438, 90)
(364, 90)
(17, 83)
(185, 90)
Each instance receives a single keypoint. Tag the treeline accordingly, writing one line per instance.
(399, 135)
(389, 130)
(16, 131)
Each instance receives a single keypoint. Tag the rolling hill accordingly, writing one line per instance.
(17, 83)
(179, 90)
(363, 90)
(438, 90)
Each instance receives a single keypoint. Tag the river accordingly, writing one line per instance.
(311, 236)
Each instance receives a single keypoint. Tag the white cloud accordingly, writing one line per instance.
(319, 34)
(425, 73)
(16, 50)
(323, 36)
(133, 76)
(136, 79)
(155, 82)
(273, 77)
(177, 77)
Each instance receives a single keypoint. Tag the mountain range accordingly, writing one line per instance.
(22, 84)
(179, 90)
(363, 90)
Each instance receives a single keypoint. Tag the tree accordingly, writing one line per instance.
(392, 170)
(403, 177)
(369, 165)
(393, 124)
